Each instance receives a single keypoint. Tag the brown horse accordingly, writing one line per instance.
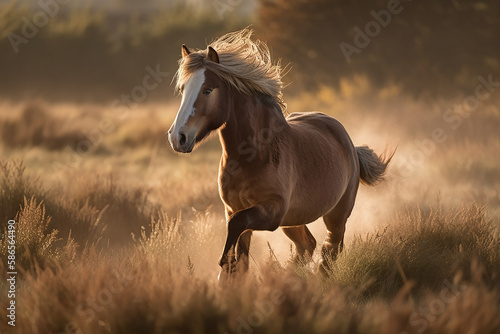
(274, 171)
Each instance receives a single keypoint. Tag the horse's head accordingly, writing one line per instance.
(203, 107)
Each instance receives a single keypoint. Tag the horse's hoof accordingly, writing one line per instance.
(324, 269)
(226, 273)
(222, 277)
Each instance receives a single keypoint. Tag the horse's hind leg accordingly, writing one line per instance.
(335, 221)
(303, 239)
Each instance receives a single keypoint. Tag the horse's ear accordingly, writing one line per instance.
(212, 55)
(185, 51)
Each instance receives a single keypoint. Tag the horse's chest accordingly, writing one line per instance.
(238, 199)
(237, 193)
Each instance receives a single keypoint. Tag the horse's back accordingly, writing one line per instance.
(322, 124)
(326, 165)
(314, 127)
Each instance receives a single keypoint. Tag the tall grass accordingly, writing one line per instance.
(34, 240)
(423, 248)
(386, 283)
(128, 239)
(15, 186)
(96, 211)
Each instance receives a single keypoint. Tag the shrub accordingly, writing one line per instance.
(34, 240)
(15, 185)
(427, 249)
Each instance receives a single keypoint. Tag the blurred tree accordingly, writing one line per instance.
(96, 54)
(426, 47)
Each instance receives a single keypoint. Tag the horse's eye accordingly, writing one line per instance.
(207, 91)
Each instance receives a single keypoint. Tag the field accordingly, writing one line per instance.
(125, 238)
(116, 233)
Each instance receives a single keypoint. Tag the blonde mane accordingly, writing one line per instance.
(243, 63)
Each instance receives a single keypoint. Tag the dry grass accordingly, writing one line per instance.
(423, 247)
(127, 239)
(149, 288)
(117, 234)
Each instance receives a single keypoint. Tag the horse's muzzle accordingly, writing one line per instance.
(181, 142)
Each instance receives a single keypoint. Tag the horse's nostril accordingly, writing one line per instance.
(182, 140)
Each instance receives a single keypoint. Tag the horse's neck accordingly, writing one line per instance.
(249, 127)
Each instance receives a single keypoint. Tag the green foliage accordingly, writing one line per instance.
(87, 53)
(429, 48)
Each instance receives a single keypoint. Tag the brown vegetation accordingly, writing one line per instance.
(128, 239)
(117, 234)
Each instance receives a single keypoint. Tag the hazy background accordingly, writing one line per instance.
(95, 50)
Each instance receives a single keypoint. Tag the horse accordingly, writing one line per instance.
(275, 171)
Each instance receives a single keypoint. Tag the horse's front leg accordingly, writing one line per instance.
(266, 216)
(242, 251)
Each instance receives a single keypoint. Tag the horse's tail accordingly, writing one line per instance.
(372, 168)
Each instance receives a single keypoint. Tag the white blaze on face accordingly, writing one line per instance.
(189, 95)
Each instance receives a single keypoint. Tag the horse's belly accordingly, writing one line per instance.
(295, 217)
(306, 210)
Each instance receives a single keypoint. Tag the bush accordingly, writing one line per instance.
(34, 240)
(15, 186)
(425, 248)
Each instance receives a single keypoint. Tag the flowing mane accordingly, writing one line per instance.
(243, 63)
